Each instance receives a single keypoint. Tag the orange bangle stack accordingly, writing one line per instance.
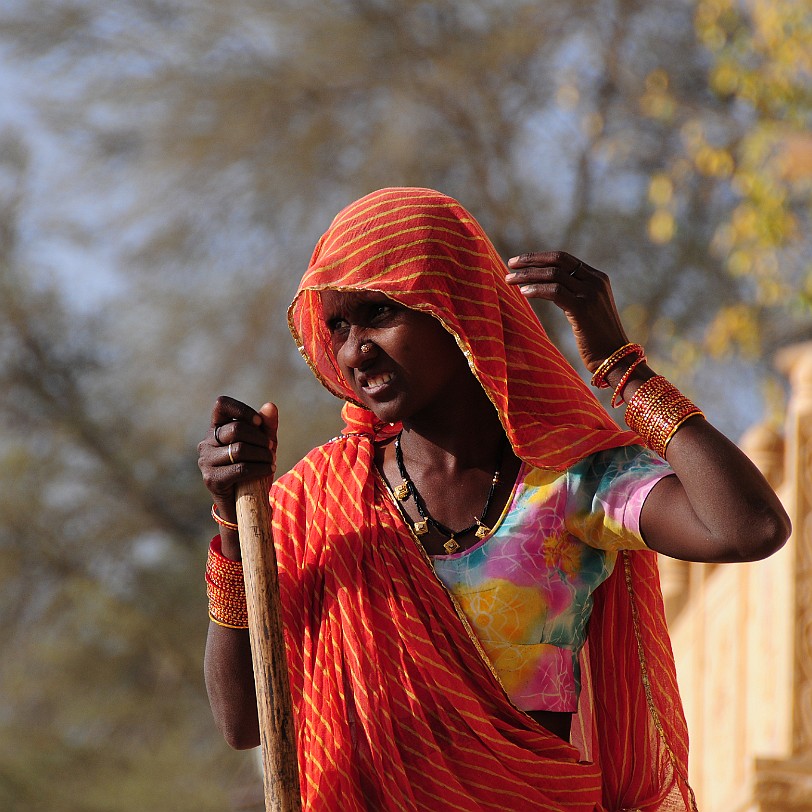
(656, 410)
(225, 588)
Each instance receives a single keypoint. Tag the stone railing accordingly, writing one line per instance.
(742, 636)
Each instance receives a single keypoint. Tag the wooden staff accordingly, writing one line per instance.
(276, 729)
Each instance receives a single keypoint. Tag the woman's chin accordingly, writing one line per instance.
(385, 411)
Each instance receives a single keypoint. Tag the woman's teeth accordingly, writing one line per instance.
(371, 383)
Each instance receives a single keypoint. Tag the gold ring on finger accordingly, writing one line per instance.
(230, 455)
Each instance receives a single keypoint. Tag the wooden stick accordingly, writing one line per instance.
(276, 729)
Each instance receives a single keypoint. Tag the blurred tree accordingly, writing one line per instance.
(100, 696)
(192, 153)
(763, 70)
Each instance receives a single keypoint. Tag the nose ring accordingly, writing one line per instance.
(366, 347)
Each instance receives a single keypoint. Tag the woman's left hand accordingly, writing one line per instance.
(582, 292)
(719, 507)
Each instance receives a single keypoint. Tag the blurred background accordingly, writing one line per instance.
(166, 167)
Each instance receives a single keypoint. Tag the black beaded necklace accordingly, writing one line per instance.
(407, 488)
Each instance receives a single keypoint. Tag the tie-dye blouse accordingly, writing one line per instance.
(526, 589)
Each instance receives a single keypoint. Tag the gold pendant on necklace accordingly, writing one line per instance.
(482, 531)
(420, 528)
(451, 546)
(402, 491)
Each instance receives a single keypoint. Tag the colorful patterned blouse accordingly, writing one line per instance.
(527, 588)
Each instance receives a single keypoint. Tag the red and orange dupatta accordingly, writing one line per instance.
(396, 706)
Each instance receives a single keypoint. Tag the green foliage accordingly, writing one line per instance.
(763, 66)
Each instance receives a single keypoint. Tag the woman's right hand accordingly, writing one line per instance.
(240, 446)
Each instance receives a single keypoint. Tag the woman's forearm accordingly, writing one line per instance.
(228, 665)
(229, 676)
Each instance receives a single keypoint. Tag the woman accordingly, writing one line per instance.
(468, 577)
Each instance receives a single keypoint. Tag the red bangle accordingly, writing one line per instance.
(225, 588)
(222, 522)
(599, 378)
(617, 396)
(656, 410)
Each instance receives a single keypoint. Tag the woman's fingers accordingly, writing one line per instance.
(240, 446)
(553, 259)
(238, 432)
(270, 419)
(553, 275)
(234, 421)
(583, 293)
(227, 409)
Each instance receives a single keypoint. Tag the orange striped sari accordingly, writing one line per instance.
(397, 708)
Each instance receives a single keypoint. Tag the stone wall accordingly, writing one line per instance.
(742, 637)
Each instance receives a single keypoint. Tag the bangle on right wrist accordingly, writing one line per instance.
(225, 588)
(220, 520)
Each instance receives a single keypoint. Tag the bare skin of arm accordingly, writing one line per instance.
(227, 666)
(718, 507)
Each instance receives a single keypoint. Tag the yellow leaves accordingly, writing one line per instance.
(739, 263)
(714, 21)
(764, 218)
(708, 159)
(764, 52)
(744, 222)
(734, 325)
(657, 101)
(660, 190)
(779, 23)
(713, 161)
(661, 227)
(725, 79)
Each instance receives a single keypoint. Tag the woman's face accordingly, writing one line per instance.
(412, 366)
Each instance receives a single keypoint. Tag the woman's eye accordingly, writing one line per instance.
(380, 311)
(337, 325)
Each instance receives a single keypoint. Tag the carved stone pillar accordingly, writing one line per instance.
(786, 785)
(798, 362)
(765, 447)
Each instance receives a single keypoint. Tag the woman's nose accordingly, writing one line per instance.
(357, 350)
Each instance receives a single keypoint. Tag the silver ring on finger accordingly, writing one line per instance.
(217, 436)
(230, 455)
(577, 268)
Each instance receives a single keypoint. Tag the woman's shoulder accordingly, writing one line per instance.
(619, 460)
(608, 462)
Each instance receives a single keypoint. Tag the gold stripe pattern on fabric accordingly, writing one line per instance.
(360, 218)
(366, 243)
(653, 712)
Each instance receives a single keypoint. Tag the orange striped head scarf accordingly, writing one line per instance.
(396, 705)
(424, 250)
